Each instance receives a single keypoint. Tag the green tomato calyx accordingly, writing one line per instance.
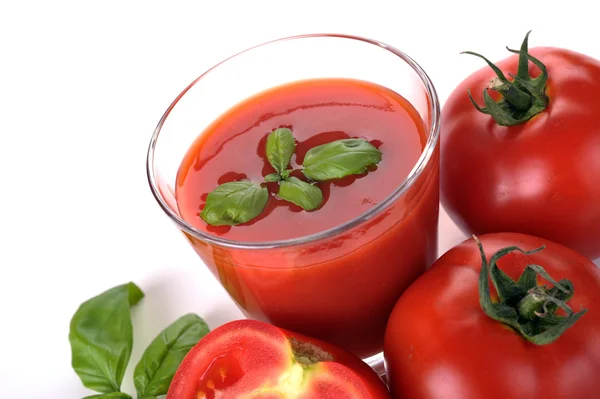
(522, 97)
(524, 305)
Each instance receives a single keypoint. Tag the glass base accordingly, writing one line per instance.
(377, 363)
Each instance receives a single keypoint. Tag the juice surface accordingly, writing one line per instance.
(317, 111)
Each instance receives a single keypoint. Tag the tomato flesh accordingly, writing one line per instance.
(335, 381)
(223, 372)
(249, 359)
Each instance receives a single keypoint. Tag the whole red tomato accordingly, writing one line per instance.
(539, 175)
(440, 343)
(249, 359)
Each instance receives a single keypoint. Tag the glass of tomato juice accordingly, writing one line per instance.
(333, 273)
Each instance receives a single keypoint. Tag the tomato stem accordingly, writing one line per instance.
(306, 353)
(519, 99)
(522, 98)
(532, 305)
(524, 305)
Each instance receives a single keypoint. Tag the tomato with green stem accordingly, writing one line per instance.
(505, 316)
(248, 359)
(519, 148)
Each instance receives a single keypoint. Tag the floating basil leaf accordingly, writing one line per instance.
(154, 372)
(101, 338)
(300, 193)
(234, 203)
(280, 147)
(272, 177)
(339, 159)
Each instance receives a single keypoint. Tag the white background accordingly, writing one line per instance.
(82, 86)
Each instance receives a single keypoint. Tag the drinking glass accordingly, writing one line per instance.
(339, 285)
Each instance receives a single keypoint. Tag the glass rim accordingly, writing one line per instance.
(426, 154)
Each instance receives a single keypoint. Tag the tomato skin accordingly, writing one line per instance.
(540, 177)
(440, 344)
(252, 355)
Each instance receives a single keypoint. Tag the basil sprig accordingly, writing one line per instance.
(275, 177)
(280, 148)
(101, 338)
(238, 202)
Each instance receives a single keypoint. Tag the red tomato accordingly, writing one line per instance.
(439, 342)
(248, 359)
(539, 177)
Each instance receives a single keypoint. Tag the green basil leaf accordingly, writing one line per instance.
(280, 147)
(300, 193)
(234, 203)
(101, 337)
(272, 177)
(339, 159)
(112, 395)
(154, 372)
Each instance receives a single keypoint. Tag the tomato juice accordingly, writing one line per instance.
(342, 285)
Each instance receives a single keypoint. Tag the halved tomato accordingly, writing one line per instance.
(248, 359)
